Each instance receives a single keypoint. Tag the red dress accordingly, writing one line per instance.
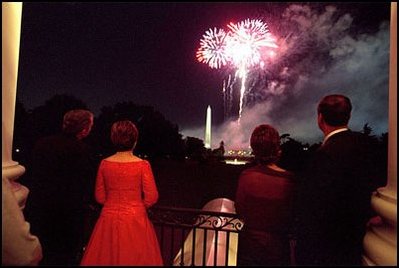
(123, 234)
(264, 199)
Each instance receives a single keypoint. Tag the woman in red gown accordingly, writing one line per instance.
(125, 185)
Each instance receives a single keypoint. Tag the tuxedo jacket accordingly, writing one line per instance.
(63, 172)
(334, 201)
(63, 176)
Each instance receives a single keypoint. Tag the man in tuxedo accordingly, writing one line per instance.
(63, 175)
(335, 191)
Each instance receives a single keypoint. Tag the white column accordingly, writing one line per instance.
(208, 126)
(11, 32)
(380, 242)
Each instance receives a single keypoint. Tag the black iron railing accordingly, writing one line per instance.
(196, 237)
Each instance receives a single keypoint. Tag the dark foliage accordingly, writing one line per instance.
(42, 121)
(294, 155)
(157, 136)
(195, 148)
(198, 169)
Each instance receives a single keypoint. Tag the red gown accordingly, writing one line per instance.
(123, 234)
(264, 199)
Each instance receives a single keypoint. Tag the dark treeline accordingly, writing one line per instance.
(162, 144)
(158, 137)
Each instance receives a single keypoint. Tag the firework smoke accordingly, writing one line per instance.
(241, 47)
(318, 54)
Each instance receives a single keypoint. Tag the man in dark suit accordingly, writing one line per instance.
(335, 191)
(63, 173)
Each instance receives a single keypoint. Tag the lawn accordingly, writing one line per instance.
(191, 184)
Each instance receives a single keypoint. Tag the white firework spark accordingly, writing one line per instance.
(212, 48)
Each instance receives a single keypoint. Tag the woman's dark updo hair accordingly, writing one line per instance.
(124, 135)
(265, 144)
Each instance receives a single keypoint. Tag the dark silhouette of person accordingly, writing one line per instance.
(335, 191)
(63, 174)
(264, 199)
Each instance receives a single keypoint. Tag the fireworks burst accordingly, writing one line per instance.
(212, 50)
(245, 40)
(241, 46)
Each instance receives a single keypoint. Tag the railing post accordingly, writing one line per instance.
(195, 246)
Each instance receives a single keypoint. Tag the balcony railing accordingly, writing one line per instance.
(196, 236)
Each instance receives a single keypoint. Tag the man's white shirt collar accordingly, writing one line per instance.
(334, 132)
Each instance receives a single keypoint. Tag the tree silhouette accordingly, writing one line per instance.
(48, 117)
(21, 139)
(367, 129)
(294, 155)
(284, 137)
(195, 148)
(157, 136)
(41, 121)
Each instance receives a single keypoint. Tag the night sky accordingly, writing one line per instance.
(104, 53)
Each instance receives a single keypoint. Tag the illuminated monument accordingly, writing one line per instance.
(208, 128)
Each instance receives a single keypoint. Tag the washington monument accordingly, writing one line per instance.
(208, 128)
